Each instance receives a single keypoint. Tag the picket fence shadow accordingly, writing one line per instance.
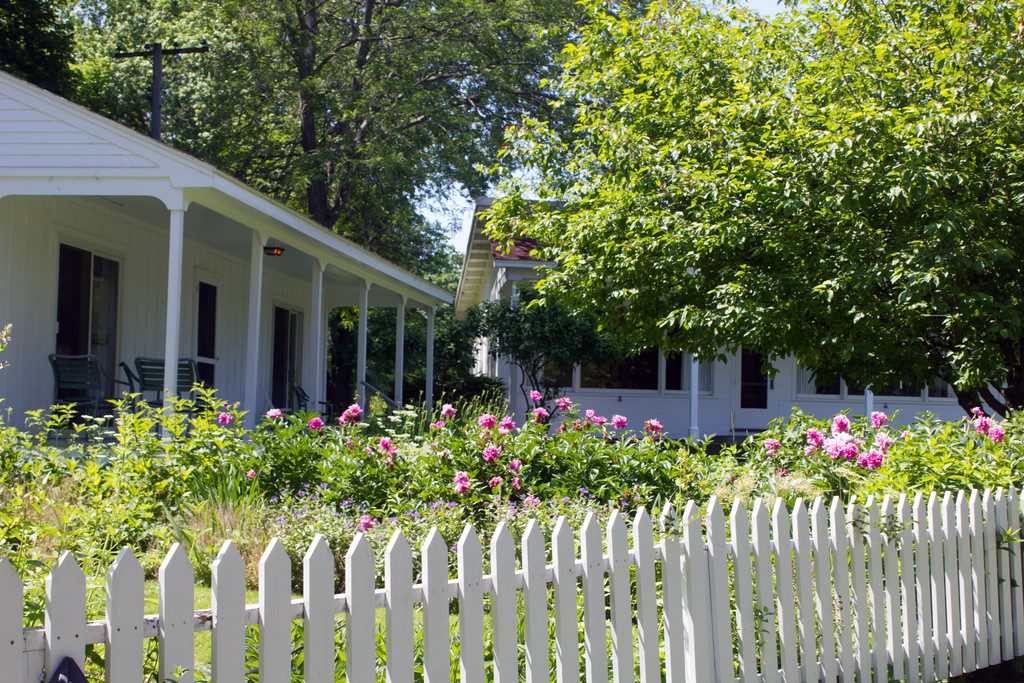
(914, 590)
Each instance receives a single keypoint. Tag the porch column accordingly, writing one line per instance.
(314, 341)
(869, 400)
(429, 389)
(399, 350)
(513, 371)
(364, 304)
(694, 396)
(172, 329)
(252, 334)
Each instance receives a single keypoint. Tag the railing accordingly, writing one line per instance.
(371, 390)
(914, 590)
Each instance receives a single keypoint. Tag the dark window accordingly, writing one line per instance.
(556, 374)
(674, 372)
(638, 371)
(753, 380)
(939, 389)
(901, 388)
(206, 333)
(286, 358)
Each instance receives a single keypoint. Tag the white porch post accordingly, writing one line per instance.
(869, 400)
(694, 396)
(429, 389)
(364, 304)
(399, 350)
(252, 335)
(513, 371)
(172, 330)
(315, 366)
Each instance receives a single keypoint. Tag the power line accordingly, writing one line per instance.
(157, 51)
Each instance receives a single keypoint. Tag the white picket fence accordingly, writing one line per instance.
(917, 590)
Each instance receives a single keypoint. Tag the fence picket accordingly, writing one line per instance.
(672, 596)
(911, 653)
(744, 588)
(823, 591)
(275, 586)
(318, 620)
(876, 591)
(594, 632)
(965, 573)
(646, 598)
(360, 626)
(535, 603)
(122, 660)
(804, 590)
(398, 615)
(786, 609)
(841, 582)
(718, 561)
(567, 637)
(227, 598)
(12, 618)
(699, 660)
(436, 641)
(504, 629)
(859, 590)
(951, 562)
(620, 599)
(992, 616)
(1016, 571)
(177, 601)
(923, 582)
(1005, 608)
(977, 558)
(765, 591)
(940, 634)
(893, 606)
(470, 557)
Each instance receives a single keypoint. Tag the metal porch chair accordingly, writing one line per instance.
(81, 380)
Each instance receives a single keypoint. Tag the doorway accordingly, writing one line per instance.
(754, 384)
(206, 333)
(287, 357)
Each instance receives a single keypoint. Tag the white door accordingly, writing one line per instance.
(753, 391)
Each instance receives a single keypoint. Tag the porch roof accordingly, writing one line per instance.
(52, 147)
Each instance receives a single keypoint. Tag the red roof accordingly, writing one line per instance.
(522, 248)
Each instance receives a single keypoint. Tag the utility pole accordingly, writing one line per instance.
(157, 52)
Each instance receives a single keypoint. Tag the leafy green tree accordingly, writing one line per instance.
(841, 182)
(37, 44)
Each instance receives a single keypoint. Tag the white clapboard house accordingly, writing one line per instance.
(700, 398)
(115, 246)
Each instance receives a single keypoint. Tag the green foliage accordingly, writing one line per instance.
(37, 44)
(839, 182)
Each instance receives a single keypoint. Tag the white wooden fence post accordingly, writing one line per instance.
(746, 624)
(699, 659)
(718, 562)
(859, 591)
(940, 632)
(318, 620)
(966, 588)
(504, 629)
(646, 598)
(275, 584)
(762, 543)
(977, 538)
(122, 659)
(876, 590)
(567, 637)
(993, 620)
(908, 591)
(1005, 606)
(470, 559)
(925, 610)
(399, 609)
(12, 619)
(535, 604)
(620, 598)
(227, 596)
(361, 625)
(804, 590)
(950, 563)
(436, 641)
(823, 590)
(177, 601)
(784, 587)
(841, 574)
(893, 604)
(672, 596)
(1016, 572)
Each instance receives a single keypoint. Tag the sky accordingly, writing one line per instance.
(456, 209)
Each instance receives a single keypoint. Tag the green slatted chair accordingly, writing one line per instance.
(80, 380)
(149, 376)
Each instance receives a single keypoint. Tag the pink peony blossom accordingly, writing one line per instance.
(810, 450)
(516, 484)
(507, 425)
(619, 421)
(388, 446)
(563, 402)
(461, 482)
(840, 424)
(515, 464)
(366, 522)
(315, 423)
(815, 437)
(883, 441)
(782, 472)
(841, 445)
(491, 453)
(997, 433)
(871, 460)
(772, 446)
(225, 419)
(982, 424)
(540, 414)
(448, 411)
(590, 413)
(486, 421)
(600, 420)
(977, 412)
(653, 425)
(878, 419)
(495, 481)
(437, 425)
(274, 414)
(352, 415)
(251, 474)
(536, 396)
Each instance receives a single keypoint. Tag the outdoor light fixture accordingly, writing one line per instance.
(273, 250)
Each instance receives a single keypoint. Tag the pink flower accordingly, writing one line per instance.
(977, 412)
(815, 437)
(810, 450)
(274, 414)
(366, 522)
(782, 472)
(448, 411)
(997, 433)
(485, 421)
(315, 424)
(840, 424)
(619, 421)
(653, 425)
(516, 484)
(495, 481)
(539, 415)
(871, 460)
(388, 446)
(536, 396)
(515, 464)
(225, 419)
(437, 425)
(531, 501)
(590, 414)
(982, 424)
(905, 435)
(251, 474)
(600, 420)
(352, 414)
(841, 445)
(461, 482)
(491, 453)
(563, 402)
(883, 441)
(507, 425)
(772, 446)
(878, 419)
